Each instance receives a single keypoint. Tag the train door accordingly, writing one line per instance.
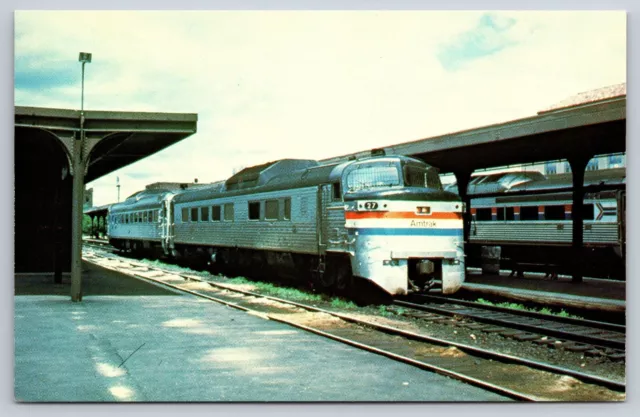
(167, 224)
(332, 232)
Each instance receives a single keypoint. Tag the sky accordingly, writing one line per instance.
(315, 84)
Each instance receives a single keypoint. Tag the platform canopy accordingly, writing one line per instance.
(114, 139)
(584, 130)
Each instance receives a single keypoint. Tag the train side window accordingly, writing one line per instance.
(254, 210)
(287, 209)
(500, 215)
(509, 213)
(588, 212)
(554, 212)
(228, 212)
(194, 214)
(145, 217)
(215, 213)
(185, 215)
(483, 214)
(528, 213)
(271, 209)
(204, 214)
(336, 191)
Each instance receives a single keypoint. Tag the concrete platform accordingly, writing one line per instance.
(592, 293)
(180, 348)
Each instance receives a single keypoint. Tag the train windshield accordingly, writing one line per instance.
(372, 175)
(422, 176)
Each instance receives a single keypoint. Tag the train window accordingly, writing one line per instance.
(420, 176)
(554, 212)
(194, 214)
(483, 214)
(271, 210)
(336, 191)
(204, 214)
(373, 175)
(588, 212)
(228, 212)
(529, 213)
(254, 210)
(500, 213)
(185, 215)
(287, 208)
(145, 217)
(509, 213)
(215, 213)
(592, 165)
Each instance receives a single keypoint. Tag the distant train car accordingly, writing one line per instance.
(531, 223)
(385, 220)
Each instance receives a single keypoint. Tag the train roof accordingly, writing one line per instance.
(153, 194)
(271, 176)
(498, 181)
(609, 177)
(281, 175)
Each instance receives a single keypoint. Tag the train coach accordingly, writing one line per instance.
(383, 220)
(529, 218)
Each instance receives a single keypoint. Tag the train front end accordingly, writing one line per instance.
(406, 231)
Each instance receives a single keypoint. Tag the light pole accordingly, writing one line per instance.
(79, 165)
(118, 187)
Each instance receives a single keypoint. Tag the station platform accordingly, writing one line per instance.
(590, 294)
(130, 341)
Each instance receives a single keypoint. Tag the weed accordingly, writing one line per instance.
(515, 306)
(343, 304)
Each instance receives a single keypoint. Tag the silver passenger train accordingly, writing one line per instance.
(384, 220)
(529, 217)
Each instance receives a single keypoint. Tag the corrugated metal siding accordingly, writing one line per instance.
(140, 231)
(541, 232)
(297, 235)
(334, 233)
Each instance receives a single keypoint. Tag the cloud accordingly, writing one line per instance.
(309, 84)
(490, 35)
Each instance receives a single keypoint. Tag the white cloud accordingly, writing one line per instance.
(270, 85)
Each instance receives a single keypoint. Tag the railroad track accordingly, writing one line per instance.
(515, 378)
(592, 338)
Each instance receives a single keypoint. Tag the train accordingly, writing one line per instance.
(384, 221)
(522, 221)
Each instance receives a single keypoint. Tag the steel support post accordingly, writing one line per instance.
(578, 165)
(462, 179)
(76, 215)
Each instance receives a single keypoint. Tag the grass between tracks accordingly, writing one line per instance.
(515, 306)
